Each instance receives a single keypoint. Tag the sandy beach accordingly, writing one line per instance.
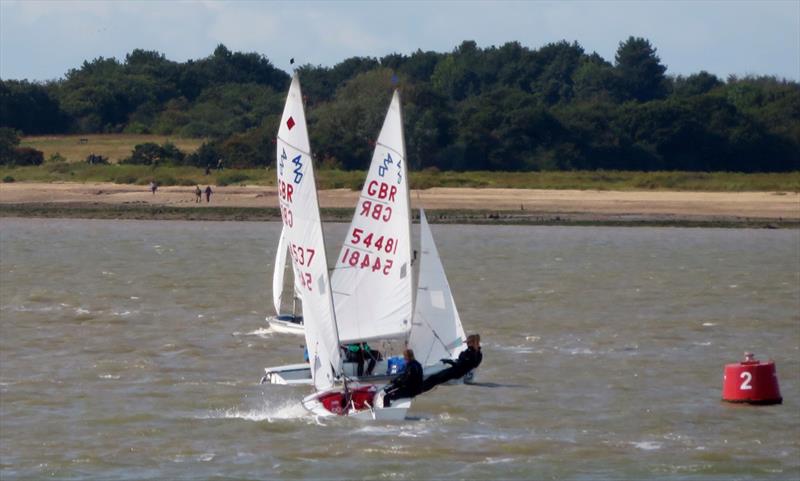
(584, 204)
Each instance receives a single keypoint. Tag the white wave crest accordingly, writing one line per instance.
(647, 445)
(263, 332)
(286, 410)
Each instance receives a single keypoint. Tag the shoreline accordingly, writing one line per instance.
(344, 215)
(444, 205)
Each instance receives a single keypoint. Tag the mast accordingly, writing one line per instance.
(340, 366)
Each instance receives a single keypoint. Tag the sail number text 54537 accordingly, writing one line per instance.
(303, 256)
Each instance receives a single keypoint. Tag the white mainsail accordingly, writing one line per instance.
(371, 282)
(299, 205)
(437, 332)
(277, 274)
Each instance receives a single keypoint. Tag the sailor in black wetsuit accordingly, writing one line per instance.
(468, 360)
(406, 385)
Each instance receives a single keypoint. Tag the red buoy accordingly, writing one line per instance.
(751, 381)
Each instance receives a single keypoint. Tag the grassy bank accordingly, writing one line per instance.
(334, 179)
(435, 216)
(75, 148)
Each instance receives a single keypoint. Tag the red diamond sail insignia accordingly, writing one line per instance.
(290, 123)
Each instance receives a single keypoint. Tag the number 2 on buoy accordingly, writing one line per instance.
(746, 383)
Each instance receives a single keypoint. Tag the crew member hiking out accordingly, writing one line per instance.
(406, 385)
(468, 360)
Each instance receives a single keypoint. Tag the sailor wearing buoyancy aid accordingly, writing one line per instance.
(468, 360)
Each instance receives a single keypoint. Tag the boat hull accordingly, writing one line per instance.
(290, 375)
(300, 375)
(287, 325)
(365, 403)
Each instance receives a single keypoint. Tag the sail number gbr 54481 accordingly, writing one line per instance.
(365, 251)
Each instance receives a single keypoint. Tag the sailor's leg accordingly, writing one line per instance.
(435, 379)
(360, 360)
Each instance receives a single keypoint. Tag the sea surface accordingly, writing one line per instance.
(133, 350)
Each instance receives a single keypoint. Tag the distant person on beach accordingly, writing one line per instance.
(198, 194)
(406, 385)
(208, 193)
(153, 187)
(468, 360)
(219, 164)
(208, 169)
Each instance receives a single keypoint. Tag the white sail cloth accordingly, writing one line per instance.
(277, 274)
(299, 205)
(372, 285)
(437, 332)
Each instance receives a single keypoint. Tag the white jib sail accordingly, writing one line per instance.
(277, 274)
(372, 278)
(299, 205)
(437, 332)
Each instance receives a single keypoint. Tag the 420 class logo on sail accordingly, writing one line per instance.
(388, 161)
(298, 170)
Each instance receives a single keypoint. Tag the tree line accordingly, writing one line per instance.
(509, 108)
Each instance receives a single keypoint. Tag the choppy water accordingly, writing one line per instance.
(133, 350)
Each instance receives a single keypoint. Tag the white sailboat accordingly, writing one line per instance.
(283, 322)
(372, 279)
(437, 332)
(299, 207)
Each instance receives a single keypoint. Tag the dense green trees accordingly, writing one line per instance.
(498, 108)
(31, 108)
(153, 154)
(11, 154)
(640, 71)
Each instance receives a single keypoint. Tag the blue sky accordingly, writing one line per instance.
(41, 40)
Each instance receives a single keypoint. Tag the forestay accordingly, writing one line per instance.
(372, 279)
(437, 332)
(297, 196)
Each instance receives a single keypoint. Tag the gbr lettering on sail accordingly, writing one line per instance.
(372, 243)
